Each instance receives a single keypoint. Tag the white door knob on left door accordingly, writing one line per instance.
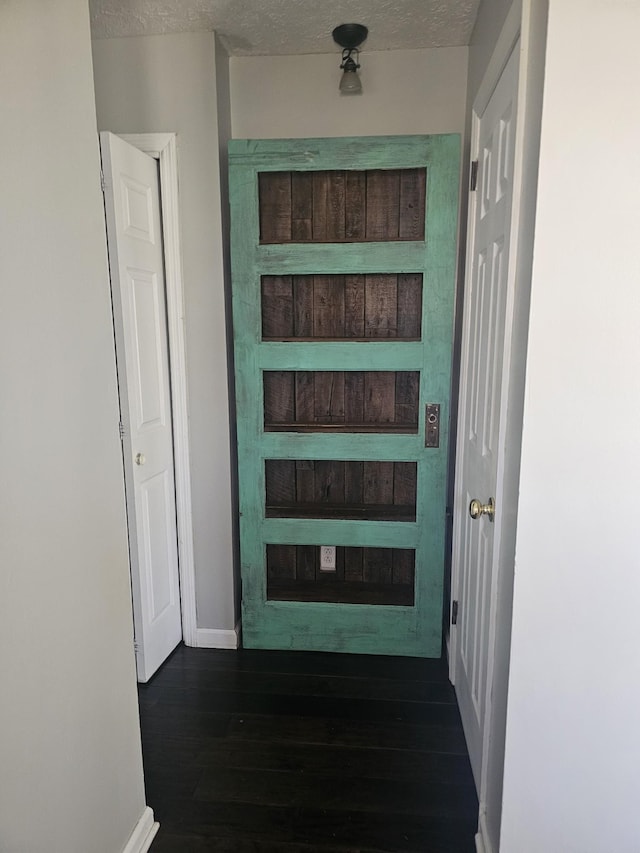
(140, 459)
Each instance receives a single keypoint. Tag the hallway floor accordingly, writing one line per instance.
(267, 751)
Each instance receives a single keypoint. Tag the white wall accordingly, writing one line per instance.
(70, 758)
(404, 91)
(572, 770)
(168, 83)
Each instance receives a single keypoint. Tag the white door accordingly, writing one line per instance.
(480, 425)
(132, 202)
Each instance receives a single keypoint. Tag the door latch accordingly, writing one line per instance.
(432, 425)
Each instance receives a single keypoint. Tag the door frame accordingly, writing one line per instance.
(163, 148)
(526, 22)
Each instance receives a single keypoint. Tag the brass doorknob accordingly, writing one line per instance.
(477, 508)
(140, 459)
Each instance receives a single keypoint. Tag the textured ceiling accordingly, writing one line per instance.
(275, 27)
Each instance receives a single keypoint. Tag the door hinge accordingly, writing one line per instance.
(454, 612)
(103, 184)
(473, 181)
(121, 430)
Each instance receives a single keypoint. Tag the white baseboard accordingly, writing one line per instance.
(143, 834)
(483, 845)
(215, 638)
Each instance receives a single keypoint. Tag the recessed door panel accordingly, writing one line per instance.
(354, 401)
(147, 331)
(342, 204)
(156, 510)
(330, 488)
(342, 307)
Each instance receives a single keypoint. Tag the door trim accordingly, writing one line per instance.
(163, 147)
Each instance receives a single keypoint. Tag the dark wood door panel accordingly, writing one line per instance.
(379, 491)
(348, 401)
(342, 206)
(342, 307)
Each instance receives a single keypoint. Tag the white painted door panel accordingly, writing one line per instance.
(482, 369)
(132, 202)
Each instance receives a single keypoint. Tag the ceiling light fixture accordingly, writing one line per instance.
(350, 37)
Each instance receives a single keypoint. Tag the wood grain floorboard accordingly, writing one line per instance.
(258, 752)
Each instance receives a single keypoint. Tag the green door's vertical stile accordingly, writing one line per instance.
(333, 434)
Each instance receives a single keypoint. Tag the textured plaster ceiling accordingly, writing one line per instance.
(275, 27)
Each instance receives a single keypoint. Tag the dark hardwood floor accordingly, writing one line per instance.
(302, 751)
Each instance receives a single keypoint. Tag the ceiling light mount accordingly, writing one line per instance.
(350, 37)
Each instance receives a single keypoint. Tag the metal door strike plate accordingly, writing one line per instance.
(432, 425)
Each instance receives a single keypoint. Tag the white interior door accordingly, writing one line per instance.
(132, 202)
(480, 430)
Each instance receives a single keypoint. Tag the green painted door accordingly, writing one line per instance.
(343, 259)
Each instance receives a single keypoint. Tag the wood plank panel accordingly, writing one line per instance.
(355, 204)
(281, 562)
(383, 204)
(277, 306)
(305, 487)
(329, 481)
(354, 298)
(378, 483)
(337, 307)
(306, 562)
(329, 397)
(362, 575)
(304, 397)
(301, 206)
(320, 204)
(302, 306)
(354, 400)
(328, 306)
(342, 592)
(381, 306)
(403, 566)
(404, 484)
(278, 397)
(353, 565)
(412, 204)
(409, 305)
(275, 207)
(407, 395)
(377, 565)
(379, 397)
(354, 397)
(342, 206)
(335, 216)
(354, 482)
(280, 482)
(371, 490)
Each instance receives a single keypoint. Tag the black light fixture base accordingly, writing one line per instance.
(350, 36)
